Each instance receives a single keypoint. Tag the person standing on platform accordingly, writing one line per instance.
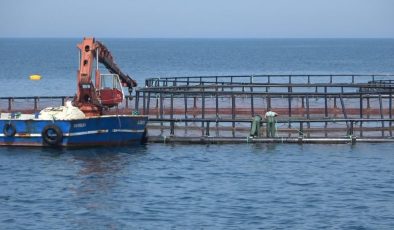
(270, 117)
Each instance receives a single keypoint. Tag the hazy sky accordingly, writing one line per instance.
(197, 18)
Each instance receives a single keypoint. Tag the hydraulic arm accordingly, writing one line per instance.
(104, 90)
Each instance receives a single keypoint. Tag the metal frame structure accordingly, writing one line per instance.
(328, 108)
(309, 105)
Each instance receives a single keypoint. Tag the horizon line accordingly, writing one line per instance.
(223, 38)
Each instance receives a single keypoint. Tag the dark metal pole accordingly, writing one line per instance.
(143, 103)
(203, 105)
(289, 102)
(137, 100)
(350, 129)
(217, 102)
(148, 104)
(157, 106)
(368, 106)
(252, 104)
(35, 104)
(185, 103)
(390, 112)
(343, 106)
(307, 114)
(325, 102)
(9, 104)
(361, 114)
(325, 111)
(172, 128)
(161, 105)
(202, 111)
(361, 105)
(301, 133)
(289, 90)
(172, 106)
(381, 112)
(233, 113)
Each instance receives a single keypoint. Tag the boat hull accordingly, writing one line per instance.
(92, 131)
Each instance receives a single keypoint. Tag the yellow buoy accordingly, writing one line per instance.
(35, 77)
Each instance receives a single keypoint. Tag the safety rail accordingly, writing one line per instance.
(295, 88)
(36, 103)
(173, 101)
(266, 79)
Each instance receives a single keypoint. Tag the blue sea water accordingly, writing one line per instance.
(162, 186)
(57, 59)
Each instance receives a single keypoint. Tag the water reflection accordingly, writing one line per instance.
(264, 147)
(100, 174)
(101, 167)
(100, 163)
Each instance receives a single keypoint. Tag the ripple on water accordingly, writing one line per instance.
(162, 186)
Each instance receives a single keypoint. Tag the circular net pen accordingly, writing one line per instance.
(308, 106)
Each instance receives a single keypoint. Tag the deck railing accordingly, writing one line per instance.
(268, 79)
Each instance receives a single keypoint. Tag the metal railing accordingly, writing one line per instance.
(35, 104)
(267, 79)
(299, 99)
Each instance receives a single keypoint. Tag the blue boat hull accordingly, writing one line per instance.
(92, 131)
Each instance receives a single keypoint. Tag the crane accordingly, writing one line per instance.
(104, 90)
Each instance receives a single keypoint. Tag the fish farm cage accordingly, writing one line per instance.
(221, 109)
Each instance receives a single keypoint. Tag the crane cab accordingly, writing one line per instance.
(110, 92)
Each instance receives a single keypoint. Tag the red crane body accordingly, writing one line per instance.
(93, 97)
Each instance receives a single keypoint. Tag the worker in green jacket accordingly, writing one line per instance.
(270, 117)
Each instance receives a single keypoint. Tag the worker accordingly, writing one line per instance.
(270, 117)
(255, 129)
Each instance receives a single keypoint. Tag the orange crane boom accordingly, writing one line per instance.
(91, 96)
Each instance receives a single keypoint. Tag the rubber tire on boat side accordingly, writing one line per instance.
(9, 130)
(52, 141)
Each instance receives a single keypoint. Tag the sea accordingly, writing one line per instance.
(179, 186)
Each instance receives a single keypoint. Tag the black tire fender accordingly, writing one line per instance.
(52, 135)
(9, 130)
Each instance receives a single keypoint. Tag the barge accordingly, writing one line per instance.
(92, 118)
(27, 130)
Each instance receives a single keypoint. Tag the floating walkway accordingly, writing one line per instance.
(220, 109)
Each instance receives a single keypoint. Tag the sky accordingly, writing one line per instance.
(198, 18)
